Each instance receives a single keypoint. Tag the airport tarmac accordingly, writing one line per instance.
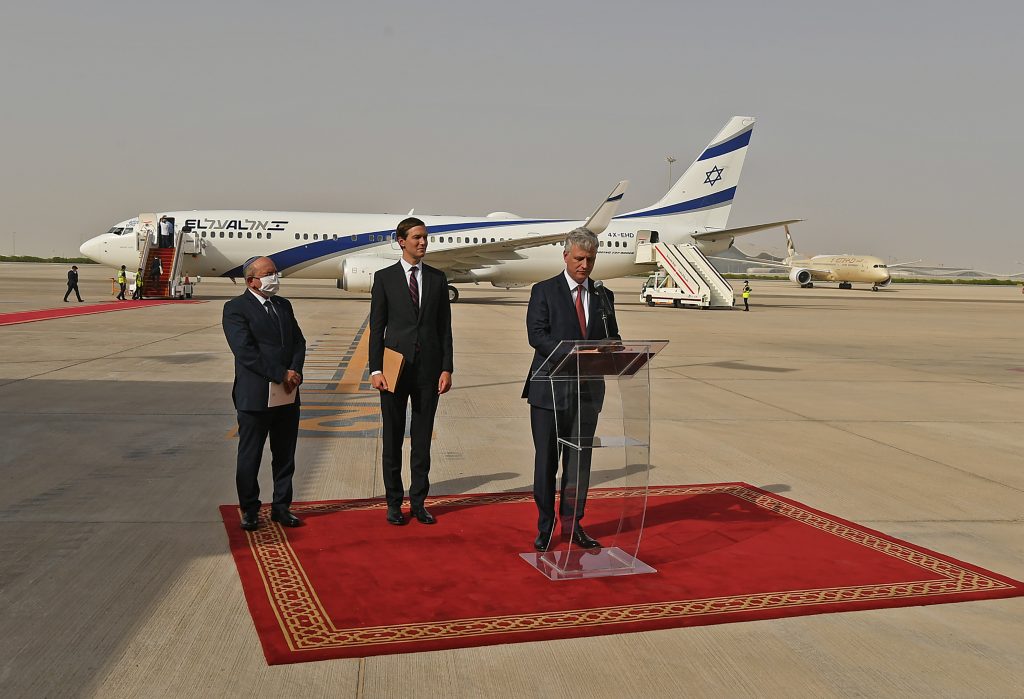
(901, 410)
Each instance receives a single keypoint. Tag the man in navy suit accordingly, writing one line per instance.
(411, 314)
(566, 307)
(261, 330)
(72, 283)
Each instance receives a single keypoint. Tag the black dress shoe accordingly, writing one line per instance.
(250, 521)
(542, 541)
(422, 516)
(583, 540)
(286, 518)
(395, 516)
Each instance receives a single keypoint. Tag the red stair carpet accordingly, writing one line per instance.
(81, 309)
(347, 584)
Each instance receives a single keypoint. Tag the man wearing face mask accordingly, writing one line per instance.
(269, 347)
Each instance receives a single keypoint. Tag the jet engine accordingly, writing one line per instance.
(886, 283)
(800, 276)
(357, 272)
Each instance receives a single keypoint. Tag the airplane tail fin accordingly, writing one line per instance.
(790, 246)
(702, 197)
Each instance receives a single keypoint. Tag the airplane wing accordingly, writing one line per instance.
(742, 230)
(469, 257)
(903, 264)
(765, 263)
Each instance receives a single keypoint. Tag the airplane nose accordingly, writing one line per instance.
(90, 249)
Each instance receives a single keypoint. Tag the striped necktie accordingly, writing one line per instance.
(414, 289)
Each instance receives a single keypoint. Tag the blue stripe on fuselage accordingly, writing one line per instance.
(734, 143)
(309, 251)
(725, 196)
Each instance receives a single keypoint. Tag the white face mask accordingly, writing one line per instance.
(270, 284)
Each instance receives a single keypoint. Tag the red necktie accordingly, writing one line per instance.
(579, 311)
(414, 289)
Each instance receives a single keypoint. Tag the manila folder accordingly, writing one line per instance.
(393, 363)
(278, 396)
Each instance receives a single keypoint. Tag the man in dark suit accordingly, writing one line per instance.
(269, 347)
(411, 314)
(566, 307)
(72, 283)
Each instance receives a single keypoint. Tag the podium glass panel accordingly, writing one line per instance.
(601, 395)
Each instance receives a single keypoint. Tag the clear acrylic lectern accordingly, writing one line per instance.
(602, 398)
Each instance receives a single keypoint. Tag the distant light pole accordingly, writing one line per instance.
(669, 159)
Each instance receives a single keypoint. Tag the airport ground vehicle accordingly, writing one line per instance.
(685, 276)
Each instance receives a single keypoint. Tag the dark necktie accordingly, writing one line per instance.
(274, 315)
(580, 314)
(414, 290)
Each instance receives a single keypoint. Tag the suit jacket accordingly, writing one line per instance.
(550, 318)
(395, 323)
(72, 277)
(264, 349)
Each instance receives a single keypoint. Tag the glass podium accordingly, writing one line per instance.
(601, 393)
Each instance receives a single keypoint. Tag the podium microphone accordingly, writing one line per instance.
(606, 309)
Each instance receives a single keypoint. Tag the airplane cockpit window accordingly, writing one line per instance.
(116, 231)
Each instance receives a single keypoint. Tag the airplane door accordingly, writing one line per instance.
(146, 228)
(646, 237)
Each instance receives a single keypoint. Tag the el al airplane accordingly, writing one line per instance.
(845, 269)
(501, 248)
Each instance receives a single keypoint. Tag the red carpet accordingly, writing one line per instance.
(82, 309)
(348, 585)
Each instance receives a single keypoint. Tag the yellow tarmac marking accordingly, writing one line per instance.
(353, 376)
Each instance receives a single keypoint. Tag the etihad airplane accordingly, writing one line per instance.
(501, 248)
(845, 269)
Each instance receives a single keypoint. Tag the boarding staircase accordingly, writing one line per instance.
(691, 271)
(171, 283)
(160, 287)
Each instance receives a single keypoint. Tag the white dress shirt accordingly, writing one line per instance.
(419, 276)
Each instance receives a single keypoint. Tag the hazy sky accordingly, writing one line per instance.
(889, 126)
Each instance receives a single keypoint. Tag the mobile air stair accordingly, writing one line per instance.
(172, 282)
(685, 277)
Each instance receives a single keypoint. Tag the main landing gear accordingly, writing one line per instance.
(848, 285)
(453, 294)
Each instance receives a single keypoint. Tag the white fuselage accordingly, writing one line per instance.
(315, 245)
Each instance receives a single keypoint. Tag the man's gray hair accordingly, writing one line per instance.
(583, 238)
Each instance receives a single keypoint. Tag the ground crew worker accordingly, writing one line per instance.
(122, 282)
(138, 285)
(746, 296)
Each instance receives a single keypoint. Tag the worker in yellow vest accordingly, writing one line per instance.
(746, 296)
(138, 285)
(122, 283)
